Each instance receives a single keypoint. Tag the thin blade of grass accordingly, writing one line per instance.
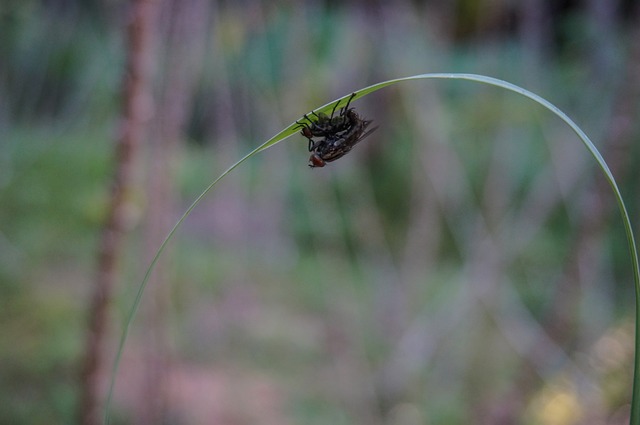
(293, 128)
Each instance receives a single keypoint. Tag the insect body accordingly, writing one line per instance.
(335, 146)
(338, 133)
(325, 125)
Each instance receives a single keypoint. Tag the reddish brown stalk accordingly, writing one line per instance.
(136, 111)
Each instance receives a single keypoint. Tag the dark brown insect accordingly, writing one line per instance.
(325, 126)
(335, 146)
(339, 134)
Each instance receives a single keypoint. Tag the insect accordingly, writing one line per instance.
(338, 134)
(325, 125)
(337, 145)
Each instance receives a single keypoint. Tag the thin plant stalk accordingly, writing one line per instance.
(293, 128)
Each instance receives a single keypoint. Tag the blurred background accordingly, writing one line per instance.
(465, 264)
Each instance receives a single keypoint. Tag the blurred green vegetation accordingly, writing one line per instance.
(413, 281)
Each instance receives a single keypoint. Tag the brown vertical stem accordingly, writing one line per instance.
(136, 110)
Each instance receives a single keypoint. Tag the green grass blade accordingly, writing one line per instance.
(136, 303)
(293, 128)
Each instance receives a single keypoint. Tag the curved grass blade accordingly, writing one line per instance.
(287, 132)
(293, 128)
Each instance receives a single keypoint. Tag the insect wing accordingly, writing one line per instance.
(368, 133)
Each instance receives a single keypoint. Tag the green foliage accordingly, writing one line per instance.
(52, 199)
(54, 180)
(37, 353)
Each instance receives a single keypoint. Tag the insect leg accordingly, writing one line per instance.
(302, 125)
(333, 110)
(346, 107)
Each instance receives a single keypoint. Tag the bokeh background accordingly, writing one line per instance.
(465, 264)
